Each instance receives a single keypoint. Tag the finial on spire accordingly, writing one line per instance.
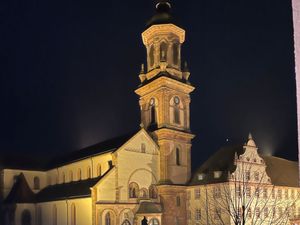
(250, 141)
(250, 136)
(160, 3)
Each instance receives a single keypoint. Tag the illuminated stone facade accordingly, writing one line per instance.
(147, 175)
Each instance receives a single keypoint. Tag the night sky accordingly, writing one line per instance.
(69, 70)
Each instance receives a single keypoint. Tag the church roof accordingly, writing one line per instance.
(99, 148)
(75, 189)
(20, 192)
(149, 207)
(281, 171)
(42, 164)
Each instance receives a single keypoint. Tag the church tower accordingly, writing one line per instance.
(165, 95)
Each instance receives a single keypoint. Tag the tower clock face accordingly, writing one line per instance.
(176, 100)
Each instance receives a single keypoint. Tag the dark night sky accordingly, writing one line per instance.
(69, 70)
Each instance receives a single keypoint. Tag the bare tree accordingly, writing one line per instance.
(247, 197)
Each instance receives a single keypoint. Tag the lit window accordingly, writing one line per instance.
(154, 221)
(197, 193)
(248, 192)
(247, 175)
(198, 214)
(256, 176)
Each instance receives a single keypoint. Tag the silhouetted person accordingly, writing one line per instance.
(144, 221)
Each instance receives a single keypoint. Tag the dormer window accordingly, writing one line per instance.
(217, 174)
(201, 176)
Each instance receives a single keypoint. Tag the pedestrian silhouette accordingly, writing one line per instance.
(144, 221)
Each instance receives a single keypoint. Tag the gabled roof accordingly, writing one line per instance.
(20, 192)
(282, 172)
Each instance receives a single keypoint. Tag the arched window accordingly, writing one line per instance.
(133, 190)
(176, 110)
(152, 111)
(177, 156)
(175, 53)
(143, 193)
(79, 174)
(108, 219)
(63, 177)
(36, 183)
(151, 56)
(154, 221)
(163, 52)
(88, 175)
(54, 215)
(26, 217)
(99, 170)
(152, 192)
(143, 148)
(73, 214)
(71, 176)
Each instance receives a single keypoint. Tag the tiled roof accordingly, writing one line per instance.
(281, 171)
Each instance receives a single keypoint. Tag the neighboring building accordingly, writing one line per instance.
(147, 174)
(296, 20)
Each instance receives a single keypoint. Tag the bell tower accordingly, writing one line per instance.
(165, 95)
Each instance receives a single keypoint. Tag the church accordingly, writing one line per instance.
(145, 177)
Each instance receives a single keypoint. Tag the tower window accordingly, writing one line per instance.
(163, 51)
(151, 56)
(107, 219)
(175, 53)
(177, 156)
(152, 111)
(176, 110)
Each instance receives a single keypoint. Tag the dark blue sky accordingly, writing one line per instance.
(69, 70)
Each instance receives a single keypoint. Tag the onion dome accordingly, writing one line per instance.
(162, 15)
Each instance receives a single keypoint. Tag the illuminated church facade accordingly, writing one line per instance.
(145, 177)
